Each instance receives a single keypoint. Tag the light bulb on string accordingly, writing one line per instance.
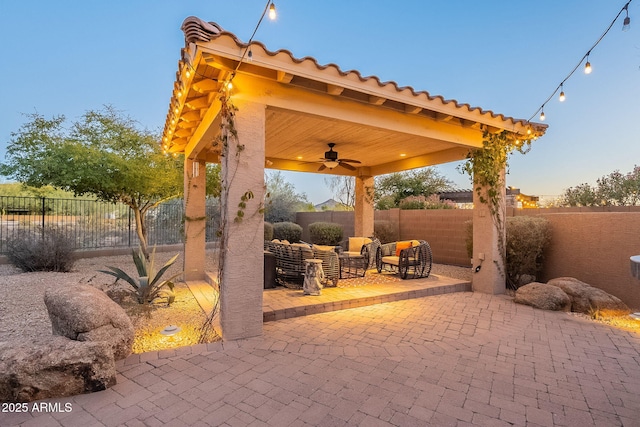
(542, 116)
(626, 24)
(561, 98)
(587, 66)
(272, 11)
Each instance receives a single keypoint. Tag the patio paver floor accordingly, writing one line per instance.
(457, 359)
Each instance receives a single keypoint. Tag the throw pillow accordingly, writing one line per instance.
(402, 245)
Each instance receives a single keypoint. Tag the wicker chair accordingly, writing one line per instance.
(412, 261)
(290, 266)
(365, 246)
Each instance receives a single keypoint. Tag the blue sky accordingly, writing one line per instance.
(507, 56)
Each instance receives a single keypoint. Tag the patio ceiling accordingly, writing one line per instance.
(308, 105)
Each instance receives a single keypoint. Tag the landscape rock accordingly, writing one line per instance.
(56, 367)
(543, 296)
(83, 313)
(586, 298)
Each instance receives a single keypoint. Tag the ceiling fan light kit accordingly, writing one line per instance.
(331, 160)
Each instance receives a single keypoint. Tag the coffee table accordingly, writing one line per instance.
(352, 266)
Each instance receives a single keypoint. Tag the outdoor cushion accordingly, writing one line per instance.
(402, 245)
(356, 243)
(324, 247)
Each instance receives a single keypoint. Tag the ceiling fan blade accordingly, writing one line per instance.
(347, 165)
(350, 160)
(322, 167)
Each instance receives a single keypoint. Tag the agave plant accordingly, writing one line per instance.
(148, 286)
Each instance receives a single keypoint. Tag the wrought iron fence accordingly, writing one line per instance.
(92, 224)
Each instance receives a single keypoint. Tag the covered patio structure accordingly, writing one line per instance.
(288, 110)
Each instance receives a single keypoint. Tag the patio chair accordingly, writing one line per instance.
(410, 259)
(368, 247)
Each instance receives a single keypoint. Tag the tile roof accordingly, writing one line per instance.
(197, 30)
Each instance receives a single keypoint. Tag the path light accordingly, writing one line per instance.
(170, 330)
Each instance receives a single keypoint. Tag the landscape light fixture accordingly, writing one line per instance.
(272, 11)
(170, 330)
(626, 24)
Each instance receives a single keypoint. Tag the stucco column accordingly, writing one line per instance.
(488, 245)
(364, 211)
(241, 283)
(195, 221)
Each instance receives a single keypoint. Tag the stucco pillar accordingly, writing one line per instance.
(488, 245)
(241, 283)
(364, 212)
(195, 221)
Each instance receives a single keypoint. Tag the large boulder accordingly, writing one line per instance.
(585, 298)
(83, 313)
(55, 367)
(543, 296)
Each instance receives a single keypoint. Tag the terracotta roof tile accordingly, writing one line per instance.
(197, 30)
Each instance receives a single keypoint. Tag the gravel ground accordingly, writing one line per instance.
(23, 315)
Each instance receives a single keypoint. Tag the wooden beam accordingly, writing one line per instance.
(205, 86)
(470, 124)
(284, 77)
(411, 109)
(206, 132)
(443, 117)
(183, 133)
(191, 116)
(198, 103)
(376, 100)
(334, 90)
(439, 157)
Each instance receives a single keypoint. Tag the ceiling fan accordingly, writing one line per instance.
(331, 160)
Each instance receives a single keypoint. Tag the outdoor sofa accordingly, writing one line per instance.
(410, 258)
(290, 261)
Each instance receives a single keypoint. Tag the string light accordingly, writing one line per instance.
(626, 24)
(270, 7)
(272, 11)
(542, 116)
(587, 66)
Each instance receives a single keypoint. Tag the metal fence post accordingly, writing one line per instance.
(43, 206)
(129, 214)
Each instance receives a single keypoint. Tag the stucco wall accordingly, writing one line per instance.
(591, 244)
(594, 245)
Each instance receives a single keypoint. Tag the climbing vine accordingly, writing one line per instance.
(228, 143)
(485, 166)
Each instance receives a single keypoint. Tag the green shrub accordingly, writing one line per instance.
(385, 231)
(268, 231)
(47, 250)
(289, 231)
(325, 233)
(527, 238)
(412, 204)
